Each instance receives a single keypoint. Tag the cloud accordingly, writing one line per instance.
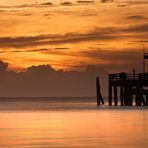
(111, 60)
(45, 81)
(137, 2)
(61, 48)
(122, 5)
(143, 28)
(98, 34)
(66, 3)
(45, 50)
(115, 60)
(26, 5)
(3, 67)
(136, 17)
(85, 1)
(105, 1)
(33, 50)
(111, 55)
(2, 51)
(141, 41)
(29, 41)
(40, 69)
(46, 4)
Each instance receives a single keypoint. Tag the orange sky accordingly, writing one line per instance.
(71, 36)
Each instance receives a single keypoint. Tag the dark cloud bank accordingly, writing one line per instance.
(99, 34)
(44, 81)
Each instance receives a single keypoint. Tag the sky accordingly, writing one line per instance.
(73, 34)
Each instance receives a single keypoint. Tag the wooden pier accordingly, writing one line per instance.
(127, 88)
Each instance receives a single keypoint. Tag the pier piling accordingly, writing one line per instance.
(99, 96)
(115, 95)
(122, 95)
(110, 97)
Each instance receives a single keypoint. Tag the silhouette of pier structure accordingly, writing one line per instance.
(126, 89)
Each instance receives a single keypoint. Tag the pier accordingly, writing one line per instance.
(126, 89)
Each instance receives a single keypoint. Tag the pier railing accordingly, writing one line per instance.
(124, 76)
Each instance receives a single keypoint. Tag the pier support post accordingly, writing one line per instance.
(115, 95)
(122, 95)
(127, 96)
(110, 95)
(146, 99)
(138, 100)
(139, 96)
(131, 99)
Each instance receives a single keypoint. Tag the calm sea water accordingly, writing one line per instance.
(71, 124)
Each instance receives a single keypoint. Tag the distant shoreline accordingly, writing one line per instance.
(50, 99)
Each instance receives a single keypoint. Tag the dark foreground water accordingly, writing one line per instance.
(71, 124)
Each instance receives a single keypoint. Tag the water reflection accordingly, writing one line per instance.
(74, 129)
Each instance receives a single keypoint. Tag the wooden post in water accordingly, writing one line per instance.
(99, 96)
(97, 88)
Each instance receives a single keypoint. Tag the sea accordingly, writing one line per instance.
(70, 123)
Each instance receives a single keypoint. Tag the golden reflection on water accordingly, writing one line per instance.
(89, 129)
